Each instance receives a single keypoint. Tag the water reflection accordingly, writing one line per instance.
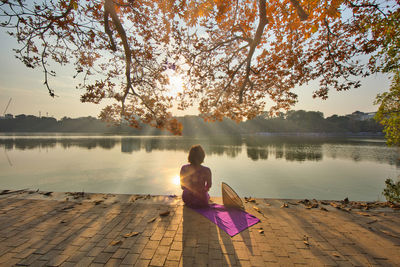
(256, 148)
(130, 145)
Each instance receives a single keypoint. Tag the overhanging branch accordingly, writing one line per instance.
(256, 41)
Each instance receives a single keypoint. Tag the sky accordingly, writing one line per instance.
(30, 96)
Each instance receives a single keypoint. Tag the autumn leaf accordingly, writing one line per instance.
(131, 234)
(152, 220)
(164, 213)
(257, 209)
(116, 242)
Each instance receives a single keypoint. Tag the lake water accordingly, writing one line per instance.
(270, 167)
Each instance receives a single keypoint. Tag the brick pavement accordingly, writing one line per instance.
(48, 231)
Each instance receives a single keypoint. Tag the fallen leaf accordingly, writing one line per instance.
(261, 231)
(363, 213)
(165, 213)
(152, 220)
(257, 209)
(305, 240)
(116, 242)
(333, 204)
(285, 205)
(67, 208)
(336, 255)
(305, 201)
(322, 208)
(249, 199)
(131, 234)
(4, 192)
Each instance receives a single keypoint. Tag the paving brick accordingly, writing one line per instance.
(29, 260)
(57, 260)
(158, 260)
(130, 259)
(113, 263)
(177, 245)
(152, 244)
(166, 241)
(95, 251)
(87, 246)
(86, 261)
(174, 255)
(172, 264)
(169, 233)
(77, 256)
(25, 253)
(68, 264)
(147, 254)
(142, 263)
(120, 253)
(102, 257)
(38, 263)
(32, 235)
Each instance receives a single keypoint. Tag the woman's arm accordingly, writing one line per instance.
(182, 175)
(208, 179)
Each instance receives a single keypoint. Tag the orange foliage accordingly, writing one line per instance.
(234, 54)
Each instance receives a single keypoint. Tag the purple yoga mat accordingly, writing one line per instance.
(232, 221)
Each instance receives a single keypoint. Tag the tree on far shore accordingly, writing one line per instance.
(234, 55)
(389, 62)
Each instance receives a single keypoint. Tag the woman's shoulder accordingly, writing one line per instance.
(185, 167)
(205, 169)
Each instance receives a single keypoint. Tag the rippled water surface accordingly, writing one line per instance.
(271, 167)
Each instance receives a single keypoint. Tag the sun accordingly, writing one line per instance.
(175, 84)
(176, 180)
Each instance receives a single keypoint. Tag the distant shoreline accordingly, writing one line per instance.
(320, 134)
(261, 134)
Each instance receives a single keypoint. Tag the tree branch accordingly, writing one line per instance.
(110, 9)
(256, 41)
(108, 31)
(328, 36)
(51, 91)
(300, 11)
(376, 6)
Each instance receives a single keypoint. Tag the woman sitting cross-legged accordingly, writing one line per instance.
(195, 179)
